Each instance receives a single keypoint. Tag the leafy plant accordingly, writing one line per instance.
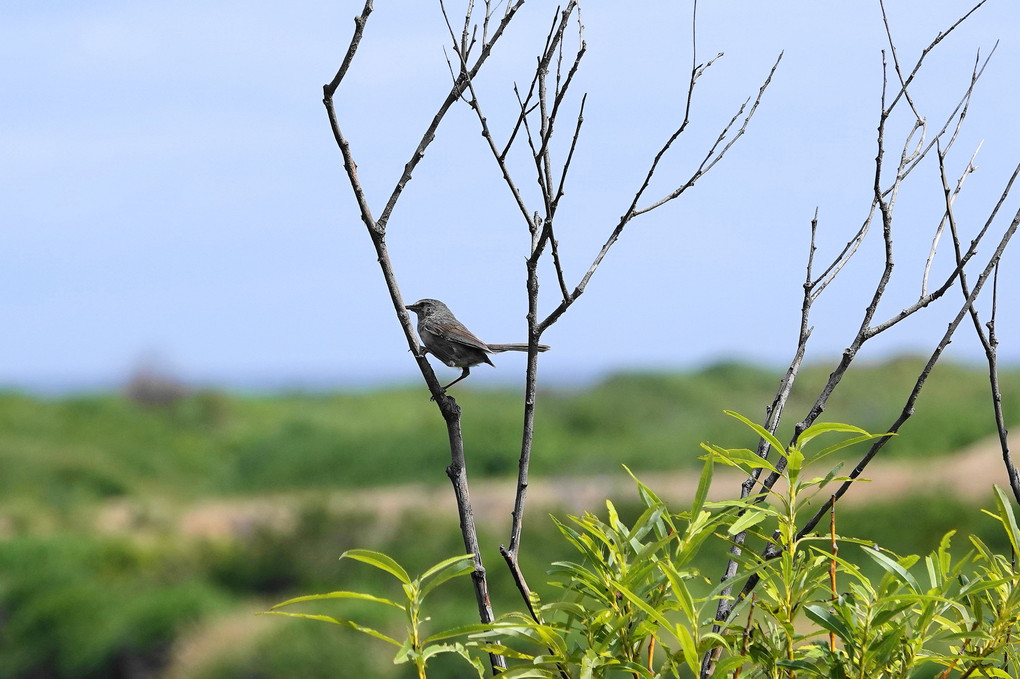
(635, 604)
(415, 648)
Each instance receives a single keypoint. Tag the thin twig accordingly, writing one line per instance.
(908, 408)
(710, 160)
(988, 339)
(924, 53)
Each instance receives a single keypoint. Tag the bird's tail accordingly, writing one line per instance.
(499, 348)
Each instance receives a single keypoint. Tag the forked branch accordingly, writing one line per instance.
(885, 191)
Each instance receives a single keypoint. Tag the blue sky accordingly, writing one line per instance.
(170, 192)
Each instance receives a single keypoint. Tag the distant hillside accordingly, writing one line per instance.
(60, 451)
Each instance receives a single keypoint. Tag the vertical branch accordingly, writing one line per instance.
(989, 341)
(914, 149)
(457, 470)
(991, 354)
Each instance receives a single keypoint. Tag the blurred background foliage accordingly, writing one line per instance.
(101, 576)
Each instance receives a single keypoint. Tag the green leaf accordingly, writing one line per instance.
(338, 621)
(750, 518)
(459, 631)
(894, 568)
(827, 427)
(446, 570)
(651, 612)
(828, 621)
(525, 672)
(761, 431)
(704, 483)
(444, 564)
(1008, 518)
(794, 463)
(725, 667)
(739, 457)
(643, 525)
(575, 539)
(996, 672)
(462, 651)
(689, 648)
(337, 595)
(803, 666)
(380, 561)
(680, 591)
(846, 443)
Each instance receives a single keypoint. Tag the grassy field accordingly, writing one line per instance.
(83, 596)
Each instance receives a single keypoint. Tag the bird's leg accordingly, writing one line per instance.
(464, 374)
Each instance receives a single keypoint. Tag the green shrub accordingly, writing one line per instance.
(636, 604)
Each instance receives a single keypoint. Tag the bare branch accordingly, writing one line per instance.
(430, 132)
(570, 157)
(958, 114)
(993, 382)
(896, 66)
(950, 199)
(908, 409)
(914, 149)
(710, 160)
(924, 53)
(988, 340)
(359, 29)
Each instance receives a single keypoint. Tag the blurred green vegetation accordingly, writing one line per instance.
(79, 599)
(60, 452)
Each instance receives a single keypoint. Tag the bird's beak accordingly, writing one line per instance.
(411, 307)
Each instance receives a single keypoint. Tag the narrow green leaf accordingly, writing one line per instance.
(380, 561)
(651, 612)
(741, 457)
(338, 621)
(894, 568)
(803, 666)
(444, 564)
(846, 443)
(828, 621)
(451, 568)
(462, 651)
(525, 672)
(459, 631)
(1008, 518)
(680, 591)
(704, 483)
(827, 427)
(750, 518)
(689, 648)
(575, 539)
(761, 431)
(643, 525)
(647, 494)
(338, 595)
(996, 672)
(726, 666)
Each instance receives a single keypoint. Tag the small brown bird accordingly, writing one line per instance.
(451, 342)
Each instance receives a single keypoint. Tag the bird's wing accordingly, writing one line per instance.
(456, 332)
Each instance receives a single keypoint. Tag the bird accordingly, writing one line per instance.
(451, 342)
